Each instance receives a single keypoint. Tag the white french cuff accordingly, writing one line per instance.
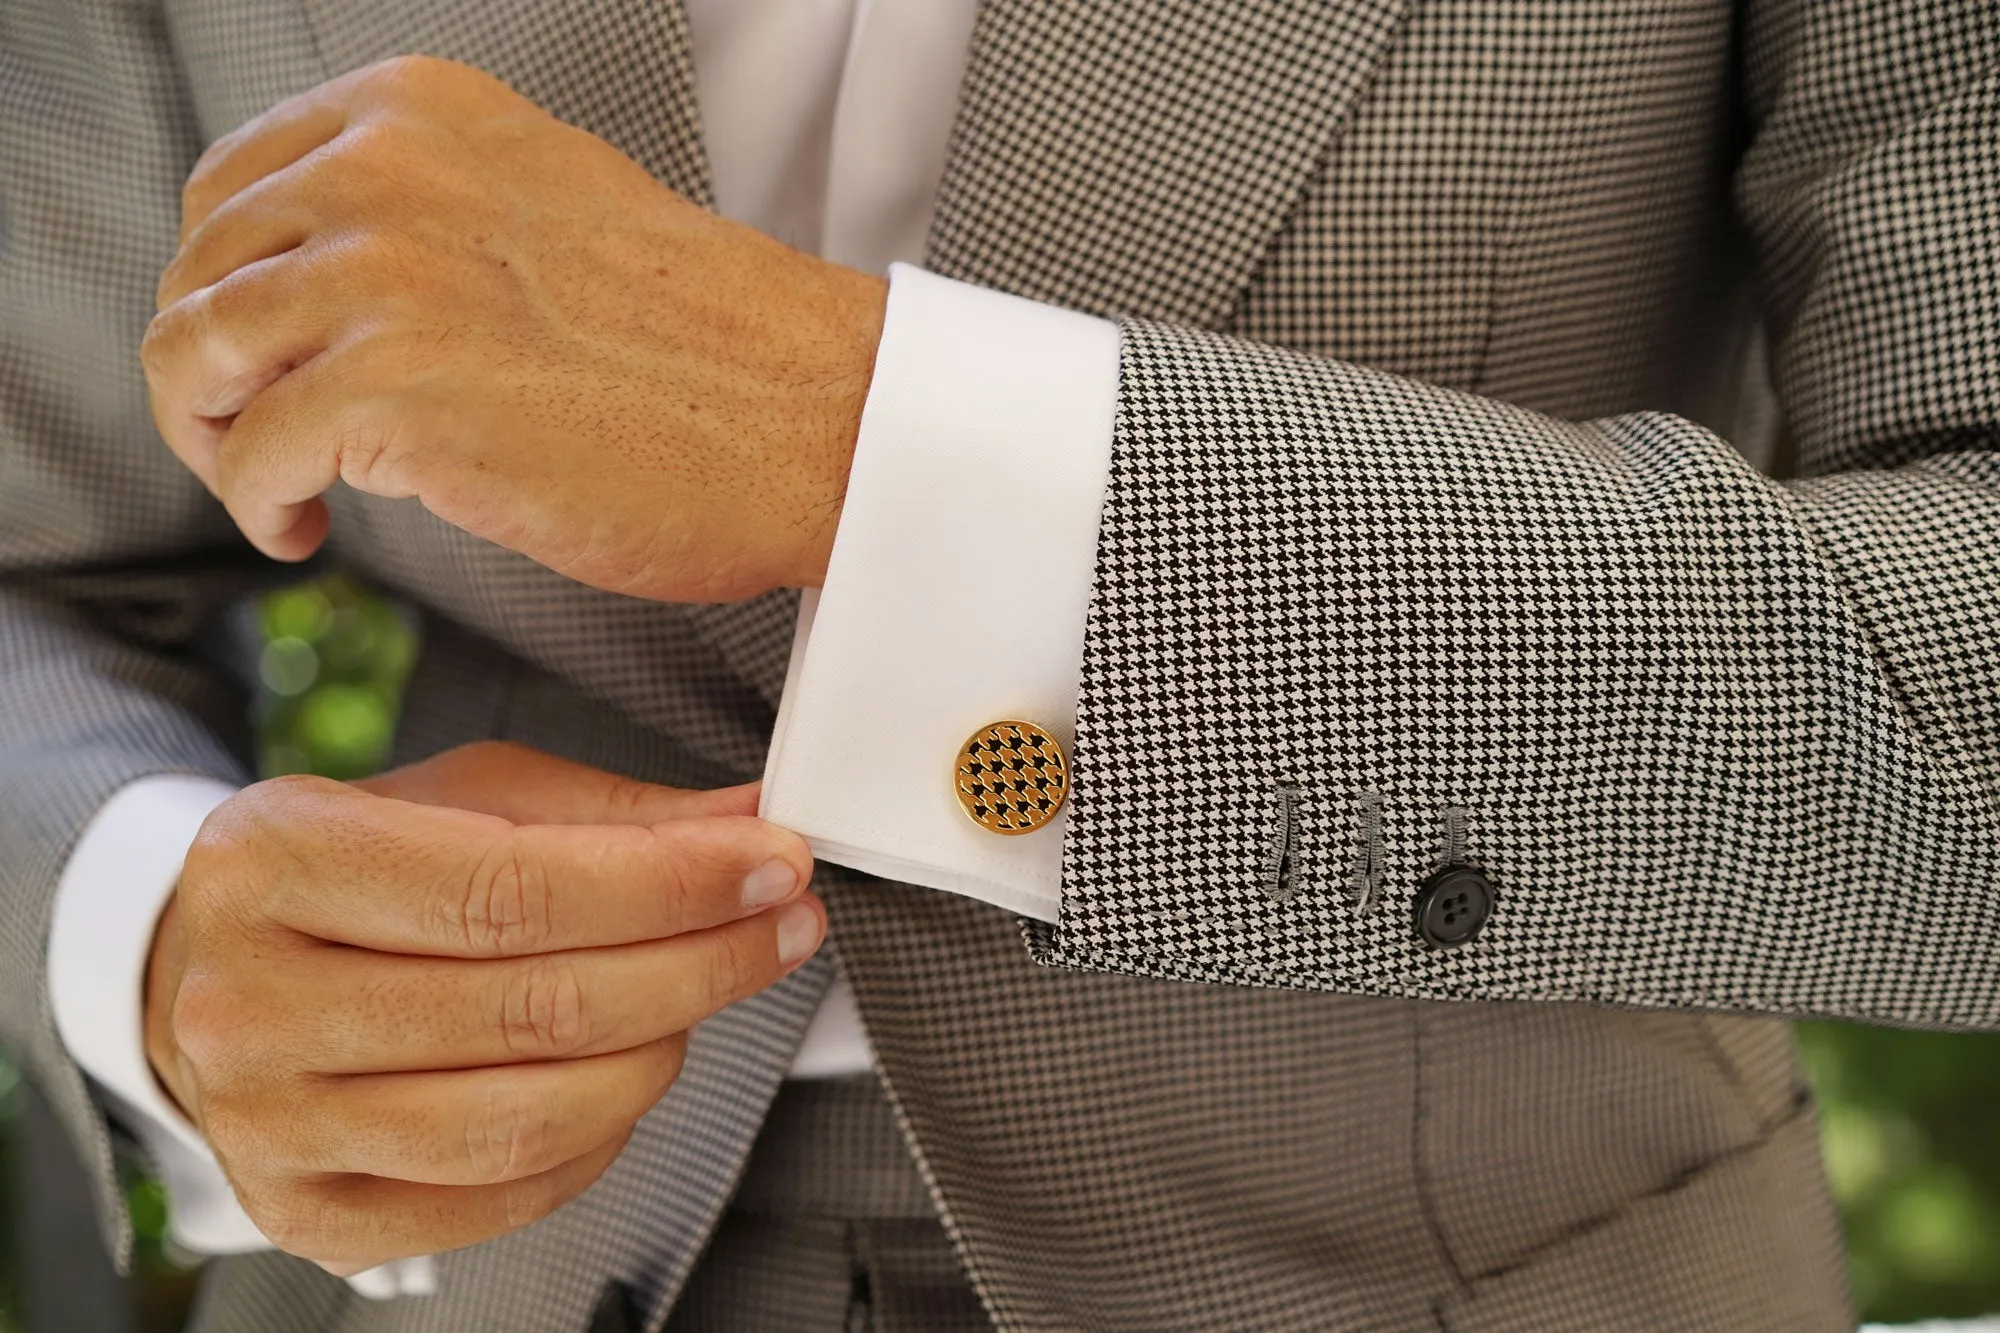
(108, 903)
(957, 591)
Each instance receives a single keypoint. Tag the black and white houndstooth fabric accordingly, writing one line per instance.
(1702, 768)
(1721, 741)
(1725, 742)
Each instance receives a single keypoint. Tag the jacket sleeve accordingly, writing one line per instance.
(1718, 741)
(111, 556)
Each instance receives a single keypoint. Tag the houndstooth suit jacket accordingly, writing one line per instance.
(1409, 514)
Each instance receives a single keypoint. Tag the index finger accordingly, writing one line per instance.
(263, 145)
(400, 877)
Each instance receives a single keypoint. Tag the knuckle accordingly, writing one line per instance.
(296, 1218)
(483, 754)
(542, 1009)
(364, 149)
(208, 1019)
(505, 906)
(281, 797)
(531, 1198)
(414, 78)
(242, 1133)
(737, 965)
(228, 867)
(626, 798)
(224, 1122)
(362, 447)
(408, 71)
(202, 334)
(220, 846)
(523, 1203)
(367, 187)
(200, 187)
(672, 1055)
(439, 774)
(283, 1222)
(678, 868)
(195, 188)
(223, 147)
(188, 333)
(220, 314)
(512, 1134)
(163, 338)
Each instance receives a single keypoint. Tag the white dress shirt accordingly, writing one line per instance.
(826, 124)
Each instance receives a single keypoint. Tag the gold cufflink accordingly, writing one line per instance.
(1011, 777)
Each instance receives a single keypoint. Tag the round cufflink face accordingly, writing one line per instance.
(1011, 777)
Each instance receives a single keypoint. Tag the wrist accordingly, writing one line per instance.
(165, 964)
(858, 308)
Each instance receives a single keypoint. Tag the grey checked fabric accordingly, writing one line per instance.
(831, 1231)
(1437, 315)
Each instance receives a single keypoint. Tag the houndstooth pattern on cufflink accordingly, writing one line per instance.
(1011, 777)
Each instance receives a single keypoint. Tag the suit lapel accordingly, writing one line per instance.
(1136, 157)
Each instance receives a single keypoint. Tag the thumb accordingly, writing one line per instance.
(527, 786)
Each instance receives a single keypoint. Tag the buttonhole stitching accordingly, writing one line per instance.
(1281, 881)
(1451, 836)
(1365, 886)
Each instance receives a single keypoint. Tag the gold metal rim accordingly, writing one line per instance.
(1011, 777)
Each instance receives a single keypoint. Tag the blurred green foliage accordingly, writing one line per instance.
(1910, 1128)
(1910, 1121)
(333, 662)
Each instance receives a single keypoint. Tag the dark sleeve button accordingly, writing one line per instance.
(1453, 905)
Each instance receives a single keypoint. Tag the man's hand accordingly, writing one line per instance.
(415, 1013)
(416, 281)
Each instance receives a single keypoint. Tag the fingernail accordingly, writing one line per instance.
(798, 932)
(769, 883)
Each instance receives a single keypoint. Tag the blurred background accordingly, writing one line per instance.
(1910, 1121)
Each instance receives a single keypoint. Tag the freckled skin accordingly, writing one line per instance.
(416, 281)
